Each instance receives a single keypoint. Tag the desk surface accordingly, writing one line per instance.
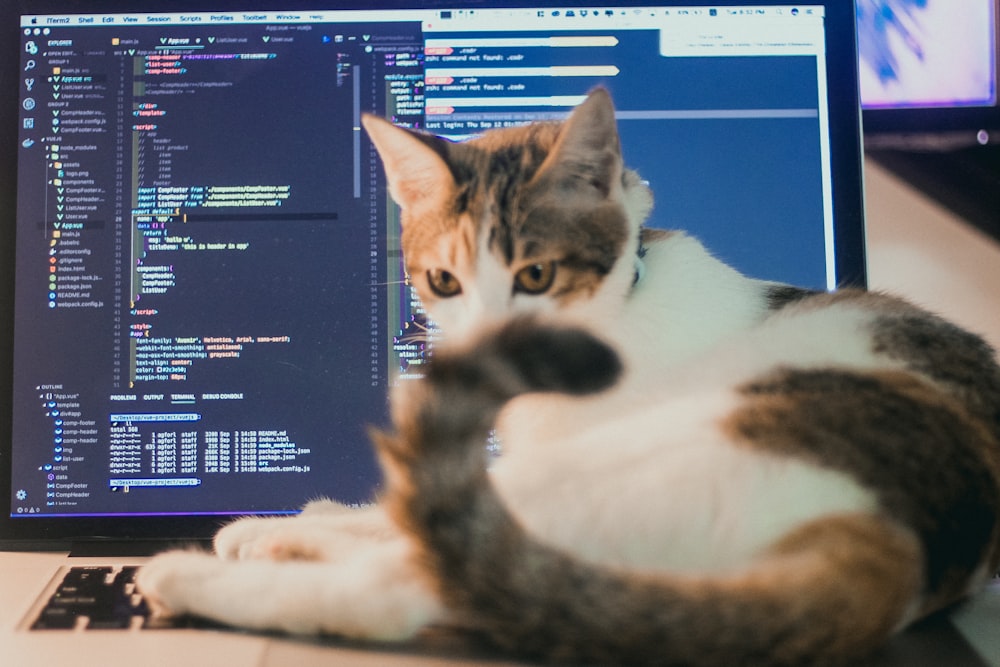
(916, 249)
(919, 250)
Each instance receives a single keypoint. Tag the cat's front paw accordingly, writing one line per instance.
(172, 581)
(256, 538)
(325, 507)
(277, 539)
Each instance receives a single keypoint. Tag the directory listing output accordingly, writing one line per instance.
(211, 296)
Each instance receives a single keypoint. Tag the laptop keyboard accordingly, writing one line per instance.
(103, 598)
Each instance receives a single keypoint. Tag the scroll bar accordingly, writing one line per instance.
(356, 102)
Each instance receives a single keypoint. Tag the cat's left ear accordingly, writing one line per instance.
(416, 172)
(587, 156)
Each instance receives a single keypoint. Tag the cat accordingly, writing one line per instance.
(697, 468)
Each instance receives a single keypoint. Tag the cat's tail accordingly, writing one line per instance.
(532, 600)
(443, 423)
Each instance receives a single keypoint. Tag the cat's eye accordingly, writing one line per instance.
(535, 278)
(443, 283)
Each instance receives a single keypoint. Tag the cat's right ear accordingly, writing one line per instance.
(416, 172)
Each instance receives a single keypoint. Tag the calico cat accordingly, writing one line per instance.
(698, 468)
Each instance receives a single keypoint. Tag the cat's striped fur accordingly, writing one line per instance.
(698, 468)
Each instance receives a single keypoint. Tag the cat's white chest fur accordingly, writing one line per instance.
(661, 487)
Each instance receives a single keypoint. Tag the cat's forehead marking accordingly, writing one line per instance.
(491, 173)
(498, 168)
(463, 245)
(452, 243)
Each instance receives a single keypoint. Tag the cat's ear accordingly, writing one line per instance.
(587, 154)
(414, 169)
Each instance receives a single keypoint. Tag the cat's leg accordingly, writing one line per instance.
(328, 506)
(374, 593)
(306, 536)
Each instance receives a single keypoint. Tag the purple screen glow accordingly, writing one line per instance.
(927, 53)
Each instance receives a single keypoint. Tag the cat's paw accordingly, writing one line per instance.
(325, 507)
(172, 581)
(265, 539)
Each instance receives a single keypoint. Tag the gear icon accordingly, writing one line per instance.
(22, 494)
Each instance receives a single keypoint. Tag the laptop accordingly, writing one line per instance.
(202, 299)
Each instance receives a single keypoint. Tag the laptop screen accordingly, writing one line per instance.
(209, 302)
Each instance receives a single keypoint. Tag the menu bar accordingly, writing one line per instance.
(436, 17)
